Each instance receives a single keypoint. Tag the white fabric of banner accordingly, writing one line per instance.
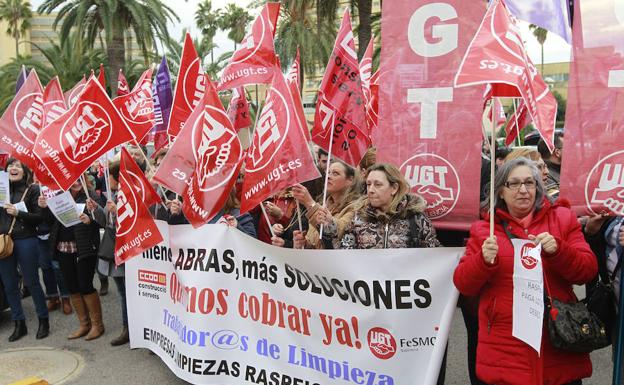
(220, 307)
(528, 294)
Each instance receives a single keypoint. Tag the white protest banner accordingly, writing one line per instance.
(5, 193)
(64, 208)
(219, 307)
(528, 294)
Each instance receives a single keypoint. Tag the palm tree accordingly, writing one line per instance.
(203, 48)
(9, 73)
(18, 14)
(147, 19)
(297, 27)
(540, 34)
(207, 21)
(235, 19)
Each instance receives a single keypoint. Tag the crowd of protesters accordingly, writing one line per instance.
(370, 206)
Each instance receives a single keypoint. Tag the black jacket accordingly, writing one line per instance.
(26, 222)
(87, 236)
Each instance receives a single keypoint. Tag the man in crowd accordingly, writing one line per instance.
(553, 161)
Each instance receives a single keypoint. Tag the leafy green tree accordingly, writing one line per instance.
(10, 72)
(18, 14)
(235, 19)
(561, 108)
(207, 21)
(147, 19)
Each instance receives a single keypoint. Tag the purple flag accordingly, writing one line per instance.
(553, 15)
(21, 78)
(163, 98)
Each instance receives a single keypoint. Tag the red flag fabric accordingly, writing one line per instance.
(70, 144)
(203, 165)
(293, 74)
(342, 86)
(53, 101)
(189, 89)
(279, 155)
(21, 123)
(143, 188)
(238, 111)
(71, 96)
(429, 129)
(366, 69)
(102, 76)
(137, 107)
(349, 142)
(136, 230)
(518, 121)
(592, 170)
(372, 106)
(122, 84)
(292, 79)
(254, 61)
(497, 55)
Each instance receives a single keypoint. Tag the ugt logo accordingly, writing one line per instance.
(217, 146)
(381, 343)
(436, 180)
(28, 116)
(194, 84)
(604, 189)
(126, 205)
(526, 259)
(271, 130)
(85, 133)
(139, 106)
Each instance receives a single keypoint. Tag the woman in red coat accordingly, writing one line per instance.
(487, 271)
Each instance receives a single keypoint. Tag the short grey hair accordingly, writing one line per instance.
(502, 174)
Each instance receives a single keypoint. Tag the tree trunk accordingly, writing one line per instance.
(365, 8)
(16, 47)
(116, 54)
(542, 59)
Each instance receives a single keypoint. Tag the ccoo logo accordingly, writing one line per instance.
(271, 131)
(216, 144)
(604, 188)
(85, 133)
(28, 116)
(436, 180)
(381, 343)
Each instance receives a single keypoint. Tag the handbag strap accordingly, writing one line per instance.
(15, 217)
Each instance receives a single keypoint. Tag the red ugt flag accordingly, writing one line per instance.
(102, 76)
(279, 155)
(366, 69)
(70, 144)
(21, 123)
(238, 111)
(341, 88)
(255, 60)
(137, 107)
(122, 84)
(71, 96)
(497, 55)
(142, 186)
(136, 229)
(518, 121)
(53, 101)
(189, 90)
(292, 79)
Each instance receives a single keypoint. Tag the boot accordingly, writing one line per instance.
(19, 331)
(95, 313)
(103, 285)
(44, 328)
(53, 303)
(67, 308)
(123, 338)
(83, 317)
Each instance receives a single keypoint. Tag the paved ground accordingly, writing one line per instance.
(102, 364)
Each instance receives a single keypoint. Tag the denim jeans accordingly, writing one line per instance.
(25, 253)
(120, 282)
(52, 276)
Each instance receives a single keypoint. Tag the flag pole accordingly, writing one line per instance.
(299, 220)
(266, 217)
(329, 154)
(492, 164)
(86, 191)
(515, 101)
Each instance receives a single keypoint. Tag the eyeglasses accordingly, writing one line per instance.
(515, 184)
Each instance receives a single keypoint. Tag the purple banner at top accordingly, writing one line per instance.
(163, 97)
(553, 15)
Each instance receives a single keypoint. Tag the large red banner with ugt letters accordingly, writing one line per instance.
(429, 129)
(592, 174)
